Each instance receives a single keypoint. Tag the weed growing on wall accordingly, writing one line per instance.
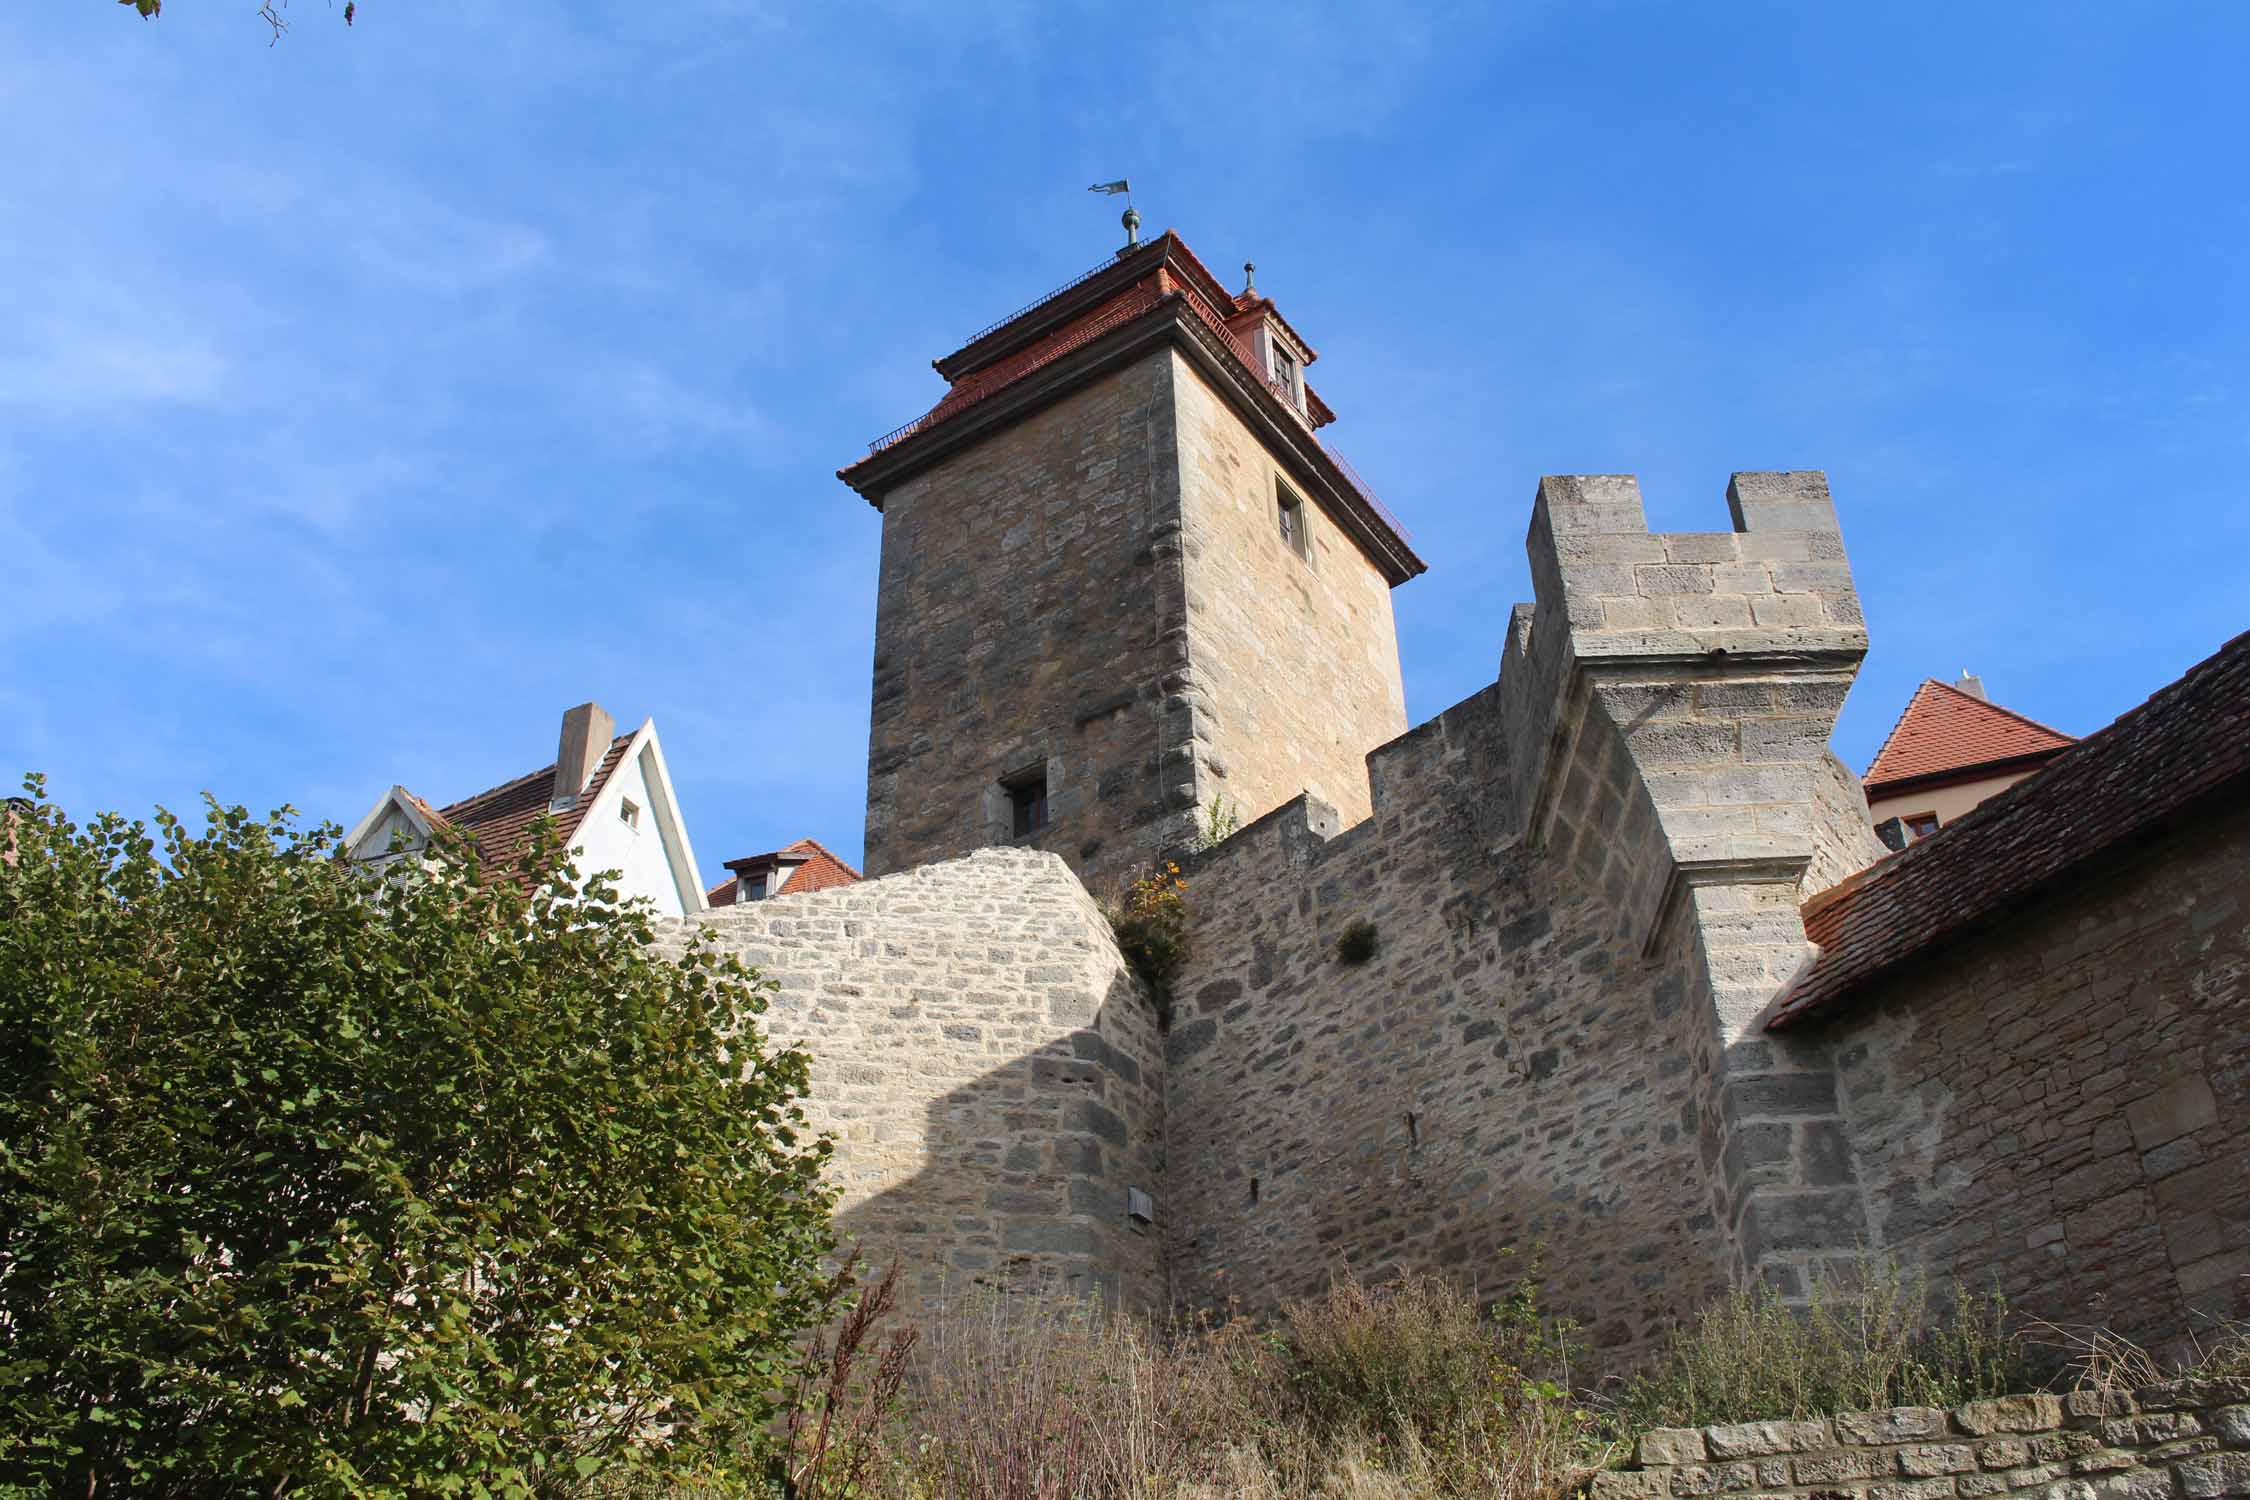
(1150, 922)
(1217, 825)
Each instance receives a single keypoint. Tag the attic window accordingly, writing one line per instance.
(757, 887)
(629, 812)
(1284, 371)
(1027, 802)
(1289, 513)
(1921, 824)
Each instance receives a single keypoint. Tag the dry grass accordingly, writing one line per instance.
(1872, 1337)
(1405, 1392)
(2097, 1358)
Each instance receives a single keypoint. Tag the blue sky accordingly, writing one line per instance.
(367, 399)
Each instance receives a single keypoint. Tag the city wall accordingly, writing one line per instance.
(987, 1064)
(1582, 886)
(2061, 1107)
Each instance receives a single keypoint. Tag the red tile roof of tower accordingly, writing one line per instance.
(1945, 732)
(1134, 284)
(2181, 754)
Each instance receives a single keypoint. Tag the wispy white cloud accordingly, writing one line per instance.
(75, 371)
(638, 404)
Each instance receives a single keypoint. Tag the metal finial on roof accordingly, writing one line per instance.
(1249, 277)
(1131, 220)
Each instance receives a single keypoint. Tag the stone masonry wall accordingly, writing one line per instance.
(1293, 669)
(2062, 1105)
(987, 1063)
(1029, 618)
(2188, 1440)
(1585, 884)
(1505, 1077)
(1714, 664)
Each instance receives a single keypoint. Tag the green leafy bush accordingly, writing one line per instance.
(1870, 1338)
(315, 1186)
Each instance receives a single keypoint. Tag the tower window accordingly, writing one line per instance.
(1285, 371)
(1289, 511)
(1027, 802)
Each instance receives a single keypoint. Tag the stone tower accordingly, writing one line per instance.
(1123, 581)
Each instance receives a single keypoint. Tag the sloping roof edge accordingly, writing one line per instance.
(1932, 699)
(2188, 744)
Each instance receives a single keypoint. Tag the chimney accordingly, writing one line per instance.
(1973, 685)
(586, 732)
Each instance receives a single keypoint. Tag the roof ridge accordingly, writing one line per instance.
(832, 854)
(2021, 718)
(567, 823)
(1946, 731)
(1897, 724)
(2131, 779)
(513, 782)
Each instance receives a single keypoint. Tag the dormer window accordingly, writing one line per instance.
(1284, 370)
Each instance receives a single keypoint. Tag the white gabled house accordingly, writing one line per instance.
(611, 799)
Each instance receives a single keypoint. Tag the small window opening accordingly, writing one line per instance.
(1289, 511)
(1027, 803)
(629, 812)
(1285, 371)
(1413, 1129)
(1921, 824)
(1139, 1207)
(757, 891)
(1253, 1192)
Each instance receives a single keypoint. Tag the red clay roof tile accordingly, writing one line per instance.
(812, 868)
(500, 819)
(822, 871)
(1945, 730)
(2183, 750)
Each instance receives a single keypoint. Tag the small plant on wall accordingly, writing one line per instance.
(1217, 825)
(1356, 943)
(1151, 927)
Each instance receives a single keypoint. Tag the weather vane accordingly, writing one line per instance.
(1131, 218)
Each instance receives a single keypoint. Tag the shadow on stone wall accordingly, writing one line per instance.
(1026, 1171)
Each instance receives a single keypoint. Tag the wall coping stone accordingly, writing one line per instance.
(2182, 1440)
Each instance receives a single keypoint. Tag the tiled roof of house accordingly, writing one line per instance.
(2187, 746)
(1945, 730)
(500, 820)
(822, 871)
(813, 868)
(721, 894)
